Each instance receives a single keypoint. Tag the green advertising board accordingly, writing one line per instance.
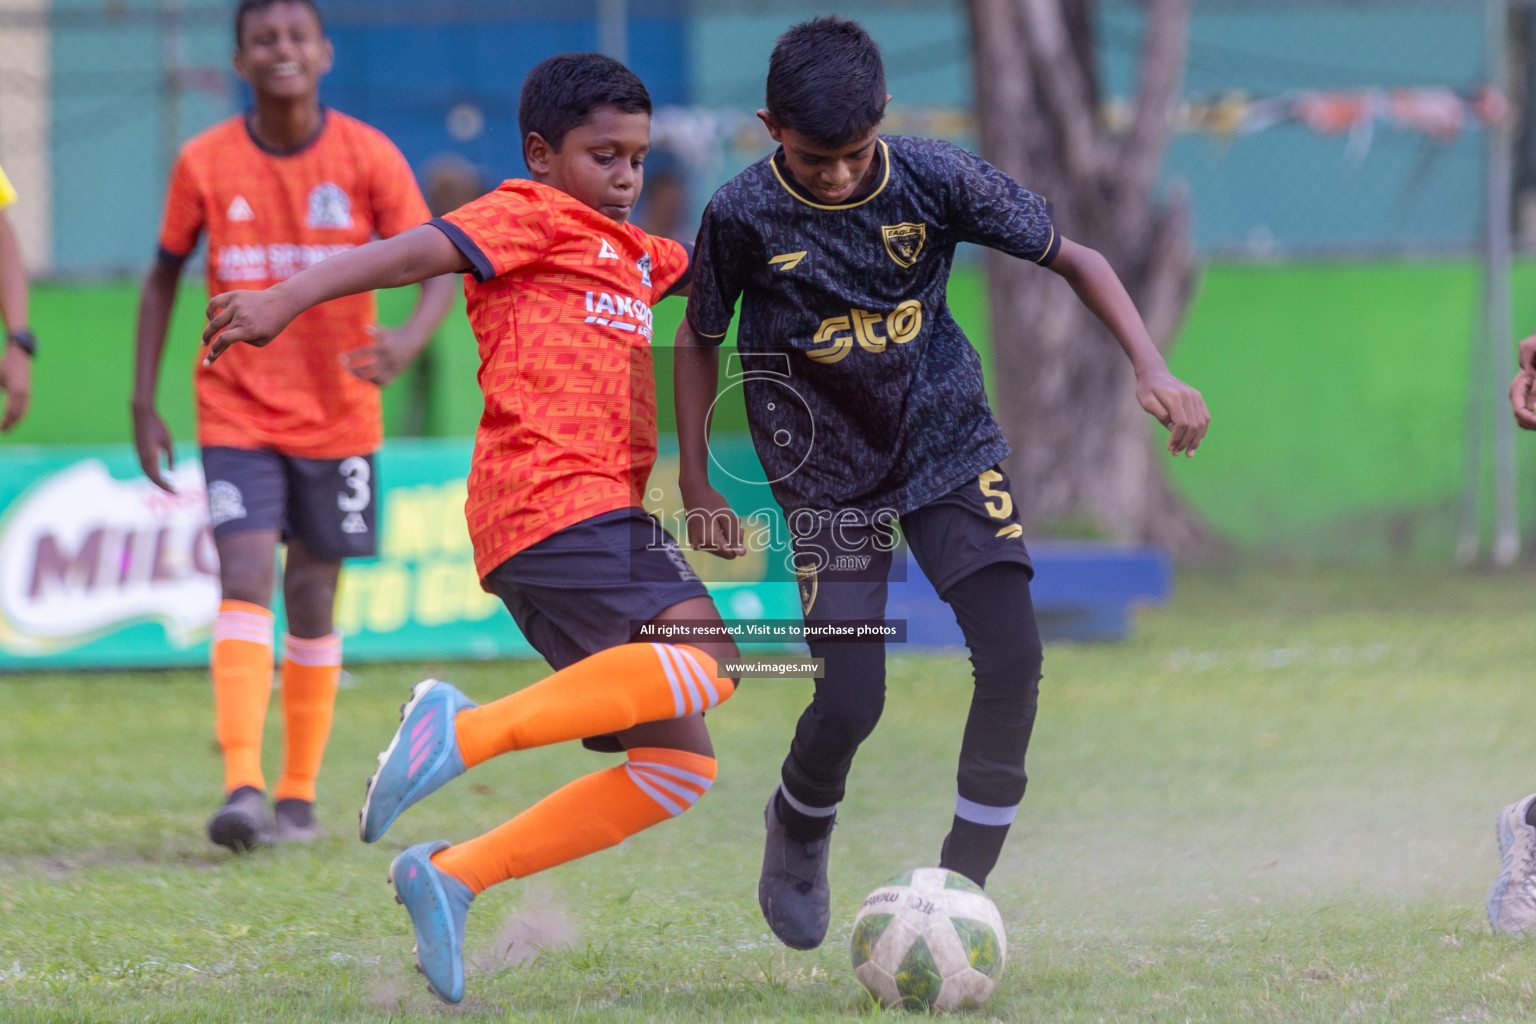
(99, 568)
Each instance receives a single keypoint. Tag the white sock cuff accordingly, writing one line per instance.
(804, 808)
(984, 814)
(238, 624)
(323, 651)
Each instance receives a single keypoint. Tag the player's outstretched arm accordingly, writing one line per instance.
(150, 435)
(1171, 402)
(712, 526)
(1522, 390)
(15, 364)
(257, 317)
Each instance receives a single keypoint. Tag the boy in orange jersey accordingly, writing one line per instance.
(287, 442)
(560, 297)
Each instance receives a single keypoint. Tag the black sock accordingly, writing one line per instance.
(300, 812)
(802, 828)
(972, 850)
(1530, 814)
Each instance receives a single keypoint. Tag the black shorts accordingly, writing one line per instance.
(591, 586)
(842, 561)
(330, 505)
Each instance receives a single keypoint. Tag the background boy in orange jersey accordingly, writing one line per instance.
(19, 346)
(560, 298)
(287, 442)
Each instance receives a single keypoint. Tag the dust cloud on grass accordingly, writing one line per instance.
(1304, 757)
(537, 924)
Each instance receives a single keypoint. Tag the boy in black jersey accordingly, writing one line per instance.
(868, 408)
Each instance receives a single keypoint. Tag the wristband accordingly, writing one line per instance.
(24, 340)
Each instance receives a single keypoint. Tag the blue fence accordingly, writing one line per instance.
(130, 80)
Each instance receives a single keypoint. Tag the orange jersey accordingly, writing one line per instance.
(269, 215)
(560, 300)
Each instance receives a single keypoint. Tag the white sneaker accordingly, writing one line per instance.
(1512, 900)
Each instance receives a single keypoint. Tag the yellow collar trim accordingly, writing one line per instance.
(885, 155)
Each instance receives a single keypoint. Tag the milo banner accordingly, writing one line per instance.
(100, 568)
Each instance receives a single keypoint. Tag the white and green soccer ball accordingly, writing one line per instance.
(929, 938)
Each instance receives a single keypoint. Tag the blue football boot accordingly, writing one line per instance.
(437, 903)
(423, 757)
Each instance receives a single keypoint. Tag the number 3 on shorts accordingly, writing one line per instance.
(354, 473)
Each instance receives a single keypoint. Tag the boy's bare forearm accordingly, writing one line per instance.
(1100, 289)
(431, 307)
(695, 380)
(1173, 403)
(411, 257)
(256, 317)
(13, 279)
(155, 303)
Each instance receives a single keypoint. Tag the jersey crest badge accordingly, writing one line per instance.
(329, 206)
(644, 264)
(239, 209)
(607, 252)
(805, 577)
(904, 242)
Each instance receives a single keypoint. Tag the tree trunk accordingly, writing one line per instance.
(1084, 456)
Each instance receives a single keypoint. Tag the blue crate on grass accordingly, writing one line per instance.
(1082, 591)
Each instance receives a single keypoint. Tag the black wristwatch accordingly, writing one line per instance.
(24, 340)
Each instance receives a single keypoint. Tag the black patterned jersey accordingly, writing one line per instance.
(861, 390)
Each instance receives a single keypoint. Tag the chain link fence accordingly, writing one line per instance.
(1310, 127)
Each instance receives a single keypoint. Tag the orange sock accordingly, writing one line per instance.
(311, 669)
(591, 814)
(605, 693)
(242, 685)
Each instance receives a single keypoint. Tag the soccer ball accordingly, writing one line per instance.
(929, 938)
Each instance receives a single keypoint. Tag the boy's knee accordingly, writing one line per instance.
(849, 723)
(688, 734)
(246, 569)
(1000, 659)
(310, 609)
(851, 694)
(996, 615)
(674, 779)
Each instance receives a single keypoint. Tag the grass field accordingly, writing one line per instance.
(1275, 802)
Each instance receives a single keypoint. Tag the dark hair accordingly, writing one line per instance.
(252, 6)
(826, 81)
(561, 92)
